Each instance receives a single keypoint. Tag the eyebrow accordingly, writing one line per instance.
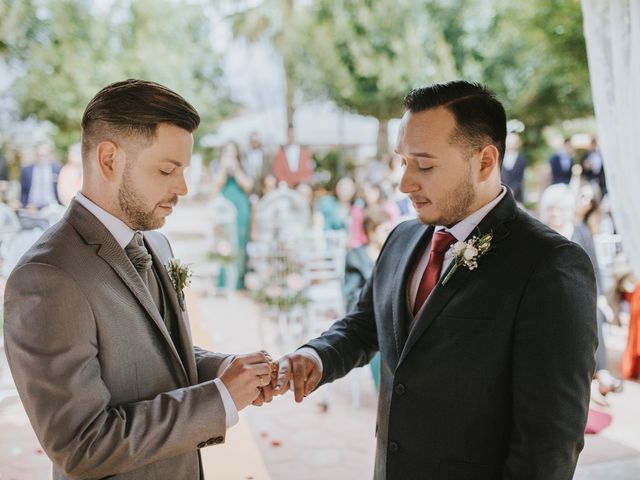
(420, 154)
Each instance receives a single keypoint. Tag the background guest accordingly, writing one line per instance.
(235, 185)
(513, 166)
(558, 210)
(255, 164)
(561, 163)
(70, 177)
(39, 181)
(293, 163)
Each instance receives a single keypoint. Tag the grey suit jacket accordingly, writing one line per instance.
(493, 380)
(106, 390)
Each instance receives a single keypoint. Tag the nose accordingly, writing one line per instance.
(407, 185)
(181, 187)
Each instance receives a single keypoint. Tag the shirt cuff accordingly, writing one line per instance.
(311, 352)
(230, 410)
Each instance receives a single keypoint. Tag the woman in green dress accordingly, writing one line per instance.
(235, 185)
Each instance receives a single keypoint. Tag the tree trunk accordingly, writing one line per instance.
(383, 138)
(287, 9)
(290, 89)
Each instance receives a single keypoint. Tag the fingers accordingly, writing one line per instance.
(299, 376)
(267, 393)
(259, 401)
(312, 381)
(256, 357)
(284, 376)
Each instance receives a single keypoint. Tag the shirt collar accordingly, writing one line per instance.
(120, 230)
(463, 228)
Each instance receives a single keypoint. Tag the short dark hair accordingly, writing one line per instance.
(134, 108)
(480, 117)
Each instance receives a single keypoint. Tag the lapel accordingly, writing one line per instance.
(186, 345)
(95, 233)
(494, 222)
(415, 248)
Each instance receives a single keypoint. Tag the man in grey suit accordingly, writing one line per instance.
(487, 355)
(96, 335)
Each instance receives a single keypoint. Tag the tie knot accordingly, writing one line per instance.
(138, 254)
(442, 241)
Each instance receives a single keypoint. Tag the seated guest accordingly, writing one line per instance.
(558, 210)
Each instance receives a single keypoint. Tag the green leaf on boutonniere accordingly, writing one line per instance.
(180, 276)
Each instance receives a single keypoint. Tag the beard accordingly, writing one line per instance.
(132, 205)
(457, 204)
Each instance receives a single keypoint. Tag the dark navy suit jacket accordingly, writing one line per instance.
(493, 381)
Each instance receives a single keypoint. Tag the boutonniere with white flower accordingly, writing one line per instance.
(180, 276)
(467, 253)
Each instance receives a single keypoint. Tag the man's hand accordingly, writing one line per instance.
(303, 369)
(245, 375)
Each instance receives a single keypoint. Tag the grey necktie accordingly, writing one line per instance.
(142, 261)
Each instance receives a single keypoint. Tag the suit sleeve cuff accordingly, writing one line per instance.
(230, 410)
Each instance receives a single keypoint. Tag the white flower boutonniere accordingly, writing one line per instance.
(467, 253)
(180, 276)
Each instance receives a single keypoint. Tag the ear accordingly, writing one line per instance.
(109, 159)
(489, 162)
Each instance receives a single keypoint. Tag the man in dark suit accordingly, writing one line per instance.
(39, 181)
(485, 365)
(561, 163)
(513, 167)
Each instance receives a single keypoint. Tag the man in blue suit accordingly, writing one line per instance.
(561, 163)
(486, 346)
(39, 181)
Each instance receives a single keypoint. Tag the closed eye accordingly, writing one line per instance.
(165, 173)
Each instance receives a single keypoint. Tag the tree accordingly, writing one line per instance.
(367, 55)
(73, 50)
(532, 54)
(276, 22)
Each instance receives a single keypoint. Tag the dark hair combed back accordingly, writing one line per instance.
(480, 117)
(134, 108)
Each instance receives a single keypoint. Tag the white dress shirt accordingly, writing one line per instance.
(292, 152)
(123, 235)
(460, 231)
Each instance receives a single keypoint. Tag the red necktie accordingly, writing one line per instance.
(439, 245)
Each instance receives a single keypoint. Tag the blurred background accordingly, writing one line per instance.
(293, 185)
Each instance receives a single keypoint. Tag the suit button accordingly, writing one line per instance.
(202, 444)
(393, 447)
(400, 389)
(211, 441)
(218, 440)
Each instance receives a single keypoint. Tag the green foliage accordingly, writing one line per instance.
(70, 49)
(366, 56)
(532, 54)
